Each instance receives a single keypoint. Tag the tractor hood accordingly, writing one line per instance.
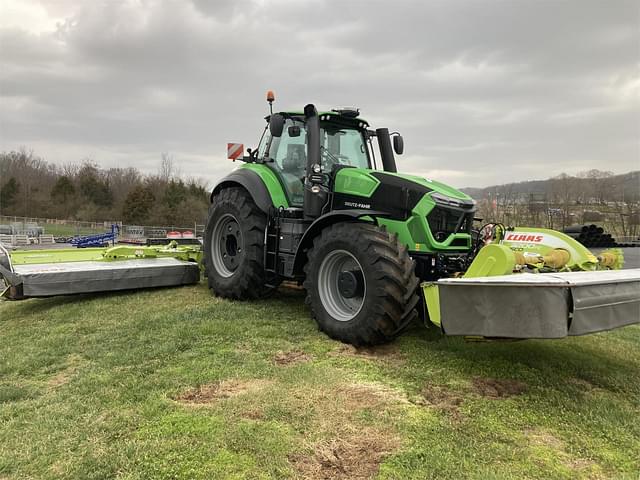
(393, 193)
(437, 187)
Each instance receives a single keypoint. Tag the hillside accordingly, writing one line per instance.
(614, 186)
(612, 201)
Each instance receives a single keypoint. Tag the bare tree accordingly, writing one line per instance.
(168, 169)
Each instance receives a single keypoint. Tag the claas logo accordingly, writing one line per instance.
(524, 237)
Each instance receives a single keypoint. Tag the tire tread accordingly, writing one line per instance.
(396, 295)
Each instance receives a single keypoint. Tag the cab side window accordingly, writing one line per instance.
(289, 154)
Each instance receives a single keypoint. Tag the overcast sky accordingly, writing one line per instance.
(484, 92)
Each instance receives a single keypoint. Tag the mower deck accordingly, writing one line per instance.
(45, 273)
(48, 279)
(543, 305)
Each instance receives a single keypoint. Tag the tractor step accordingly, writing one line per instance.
(272, 249)
(535, 305)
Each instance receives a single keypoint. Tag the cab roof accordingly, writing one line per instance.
(332, 116)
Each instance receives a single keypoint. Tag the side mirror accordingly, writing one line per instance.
(276, 125)
(294, 131)
(398, 144)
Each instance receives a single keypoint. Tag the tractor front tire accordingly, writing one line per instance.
(233, 246)
(361, 285)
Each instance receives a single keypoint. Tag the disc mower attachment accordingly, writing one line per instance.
(535, 305)
(45, 273)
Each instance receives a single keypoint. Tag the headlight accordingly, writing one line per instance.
(453, 202)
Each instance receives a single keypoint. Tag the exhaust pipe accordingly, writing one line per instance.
(315, 193)
(313, 137)
(386, 152)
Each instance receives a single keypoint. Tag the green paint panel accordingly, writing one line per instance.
(116, 253)
(432, 299)
(60, 255)
(272, 183)
(422, 237)
(356, 181)
(401, 229)
(492, 260)
(416, 234)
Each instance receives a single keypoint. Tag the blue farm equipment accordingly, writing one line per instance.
(97, 240)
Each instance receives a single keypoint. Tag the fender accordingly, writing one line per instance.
(251, 182)
(319, 224)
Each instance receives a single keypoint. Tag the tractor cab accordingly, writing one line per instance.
(284, 147)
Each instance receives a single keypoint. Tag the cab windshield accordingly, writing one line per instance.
(342, 146)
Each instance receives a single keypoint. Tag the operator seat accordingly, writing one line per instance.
(293, 171)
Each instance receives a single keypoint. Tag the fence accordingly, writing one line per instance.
(65, 230)
(34, 227)
(142, 232)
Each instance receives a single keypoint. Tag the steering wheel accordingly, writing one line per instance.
(333, 159)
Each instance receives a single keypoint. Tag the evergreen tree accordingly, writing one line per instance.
(63, 190)
(137, 205)
(9, 192)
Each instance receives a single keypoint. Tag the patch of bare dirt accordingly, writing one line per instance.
(380, 352)
(333, 408)
(348, 449)
(443, 399)
(354, 456)
(291, 357)
(253, 414)
(583, 464)
(498, 388)
(358, 396)
(225, 389)
(61, 378)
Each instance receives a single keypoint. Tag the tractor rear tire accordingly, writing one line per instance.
(361, 285)
(233, 246)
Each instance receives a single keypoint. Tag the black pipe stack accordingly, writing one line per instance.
(592, 236)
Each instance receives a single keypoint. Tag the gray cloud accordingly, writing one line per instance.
(483, 92)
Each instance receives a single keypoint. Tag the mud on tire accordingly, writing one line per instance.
(381, 263)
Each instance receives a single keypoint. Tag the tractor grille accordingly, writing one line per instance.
(445, 221)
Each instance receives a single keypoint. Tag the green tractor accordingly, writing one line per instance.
(317, 204)
(311, 205)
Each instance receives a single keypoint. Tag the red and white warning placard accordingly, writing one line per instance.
(234, 151)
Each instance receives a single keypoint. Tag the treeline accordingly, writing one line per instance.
(592, 196)
(588, 187)
(32, 187)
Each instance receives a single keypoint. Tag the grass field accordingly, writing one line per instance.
(62, 230)
(176, 384)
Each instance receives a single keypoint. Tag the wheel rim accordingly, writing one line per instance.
(227, 245)
(339, 306)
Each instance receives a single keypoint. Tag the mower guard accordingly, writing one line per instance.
(45, 273)
(530, 305)
(46, 280)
